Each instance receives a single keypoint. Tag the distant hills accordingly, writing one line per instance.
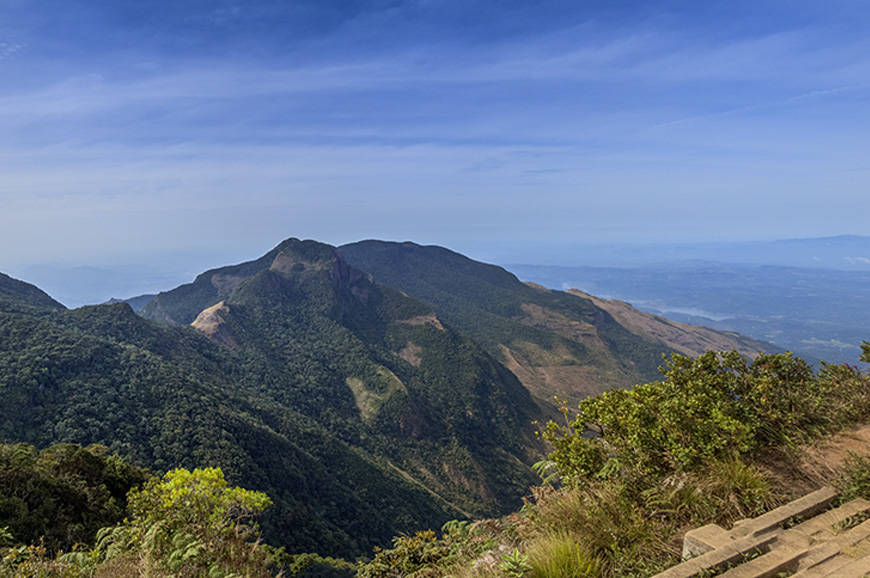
(820, 314)
(838, 253)
(369, 390)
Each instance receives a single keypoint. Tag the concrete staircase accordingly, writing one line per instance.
(802, 539)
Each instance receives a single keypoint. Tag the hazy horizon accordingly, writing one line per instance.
(86, 283)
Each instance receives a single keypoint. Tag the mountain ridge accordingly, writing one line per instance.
(362, 409)
(558, 344)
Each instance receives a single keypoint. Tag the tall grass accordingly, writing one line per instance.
(561, 555)
(617, 535)
(723, 492)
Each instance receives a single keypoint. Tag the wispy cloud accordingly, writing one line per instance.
(621, 117)
(9, 48)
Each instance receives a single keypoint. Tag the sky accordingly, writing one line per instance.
(194, 133)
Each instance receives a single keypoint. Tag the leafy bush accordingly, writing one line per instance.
(311, 565)
(715, 407)
(424, 554)
(855, 480)
(35, 561)
(190, 524)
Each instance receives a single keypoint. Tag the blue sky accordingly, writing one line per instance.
(136, 131)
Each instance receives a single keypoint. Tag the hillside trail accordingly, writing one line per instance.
(806, 468)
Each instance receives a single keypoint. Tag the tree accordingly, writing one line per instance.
(190, 524)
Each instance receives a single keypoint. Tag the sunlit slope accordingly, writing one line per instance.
(557, 343)
(692, 340)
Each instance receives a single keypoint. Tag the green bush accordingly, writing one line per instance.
(424, 554)
(190, 524)
(715, 407)
(855, 480)
(35, 561)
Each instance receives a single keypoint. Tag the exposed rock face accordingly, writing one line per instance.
(211, 324)
(412, 353)
(346, 279)
(423, 319)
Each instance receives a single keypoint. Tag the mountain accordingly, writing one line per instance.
(370, 390)
(691, 340)
(165, 398)
(820, 314)
(20, 297)
(137, 303)
(352, 405)
(568, 345)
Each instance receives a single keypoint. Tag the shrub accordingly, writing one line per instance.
(190, 524)
(424, 554)
(34, 561)
(855, 480)
(715, 407)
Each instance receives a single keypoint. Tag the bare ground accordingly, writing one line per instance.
(801, 470)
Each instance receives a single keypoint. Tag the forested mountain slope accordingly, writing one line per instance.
(22, 297)
(167, 398)
(360, 388)
(350, 404)
(557, 343)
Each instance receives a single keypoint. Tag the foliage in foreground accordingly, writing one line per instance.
(190, 524)
(64, 494)
(187, 524)
(642, 466)
(666, 456)
(715, 407)
(424, 554)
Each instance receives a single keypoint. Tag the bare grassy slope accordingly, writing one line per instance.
(681, 337)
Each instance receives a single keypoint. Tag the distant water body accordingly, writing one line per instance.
(693, 311)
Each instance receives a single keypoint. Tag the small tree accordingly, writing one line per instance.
(190, 524)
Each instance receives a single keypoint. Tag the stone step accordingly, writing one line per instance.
(827, 557)
(819, 543)
(730, 554)
(829, 524)
(706, 538)
(783, 557)
(805, 508)
(856, 569)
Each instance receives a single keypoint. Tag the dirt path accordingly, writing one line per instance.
(807, 468)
